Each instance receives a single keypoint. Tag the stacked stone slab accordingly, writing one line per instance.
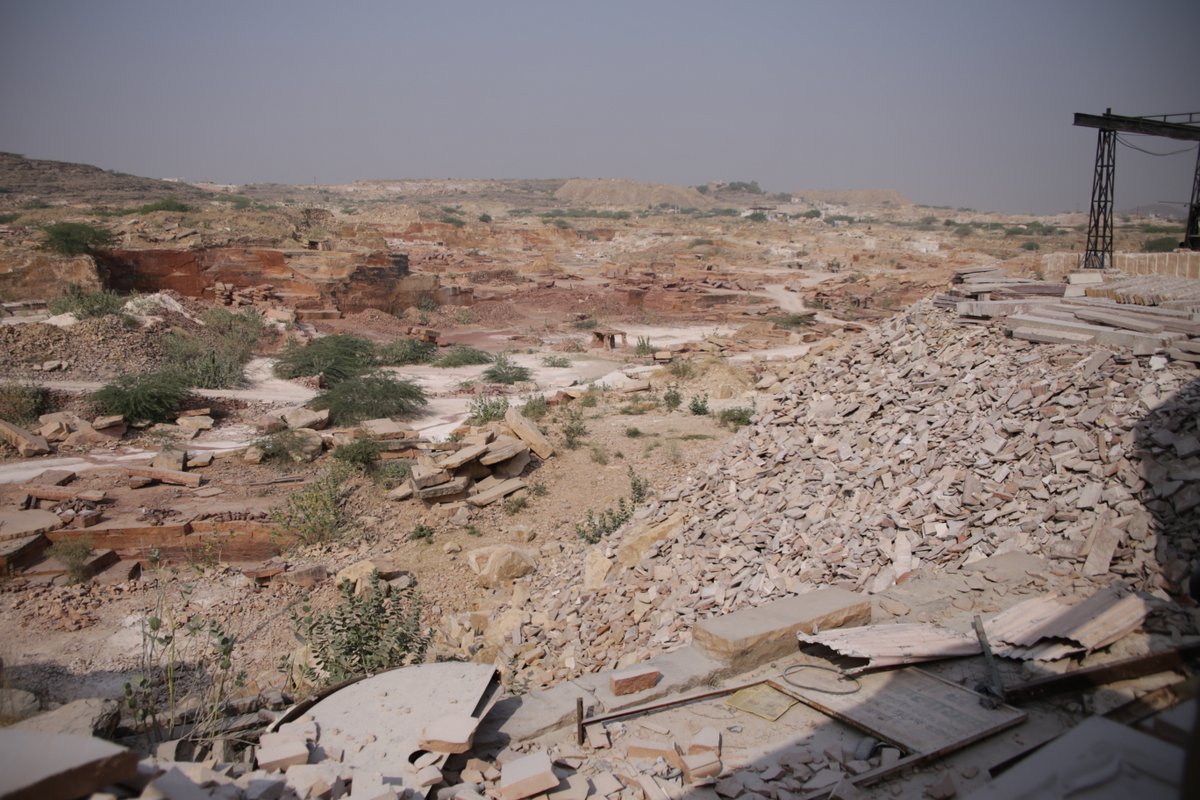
(922, 443)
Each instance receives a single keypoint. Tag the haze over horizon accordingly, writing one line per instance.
(951, 104)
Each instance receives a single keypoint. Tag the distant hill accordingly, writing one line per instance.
(628, 194)
(23, 179)
(853, 197)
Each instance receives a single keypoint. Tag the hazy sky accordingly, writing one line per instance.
(958, 102)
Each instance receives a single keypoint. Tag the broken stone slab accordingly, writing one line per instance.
(423, 476)
(461, 457)
(496, 492)
(50, 766)
(503, 449)
(106, 422)
(278, 751)
(301, 417)
(498, 564)
(630, 681)
(636, 543)
(166, 476)
(452, 733)
(17, 704)
(26, 444)
(386, 429)
(199, 423)
(513, 467)
(529, 433)
(526, 776)
(756, 635)
(90, 716)
(449, 489)
(170, 458)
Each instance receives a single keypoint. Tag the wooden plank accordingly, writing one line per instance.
(913, 709)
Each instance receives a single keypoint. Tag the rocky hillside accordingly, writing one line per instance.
(923, 443)
(24, 179)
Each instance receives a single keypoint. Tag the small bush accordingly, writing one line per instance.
(633, 433)
(11, 217)
(681, 370)
(485, 218)
(514, 504)
(558, 362)
(22, 403)
(317, 513)
(584, 324)
(573, 429)
(337, 358)
(151, 397)
(644, 347)
(75, 238)
(1030, 246)
(503, 370)
(421, 533)
(463, 356)
(1163, 244)
(487, 409)
(403, 352)
(393, 472)
(364, 634)
(757, 216)
(793, 320)
(672, 399)
(590, 399)
(167, 204)
(735, 417)
(370, 397)
(362, 453)
(72, 554)
(535, 407)
(203, 364)
(699, 405)
(281, 447)
(596, 526)
(598, 455)
(85, 303)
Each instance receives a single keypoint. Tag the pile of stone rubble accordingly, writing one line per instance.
(923, 443)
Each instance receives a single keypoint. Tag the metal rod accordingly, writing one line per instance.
(678, 701)
(579, 721)
(997, 689)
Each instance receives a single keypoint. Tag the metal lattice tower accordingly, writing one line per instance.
(1186, 127)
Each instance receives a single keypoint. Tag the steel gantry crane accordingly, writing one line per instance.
(1186, 127)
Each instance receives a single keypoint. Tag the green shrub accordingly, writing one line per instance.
(672, 399)
(590, 398)
(485, 218)
(11, 217)
(364, 634)
(558, 362)
(362, 453)
(463, 356)
(393, 472)
(633, 433)
(241, 330)
(812, 213)
(573, 428)
(403, 352)
(203, 364)
(735, 417)
(151, 397)
(514, 504)
(699, 405)
(22, 403)
(370, 397)
(596, 526)
(450, 219)
(317, 513)
(793, 320)
(241, 202)
(75, 238)
(584, 324)
(73, 554)
(503, 370)
(487, 409)
(338, 358)
(1030, 246)
(421, 533)
(1163, 244)
(535, 407)
(757, 216)
(644, 347)
(85, 303)
(281, 447)
(167, 204)
(598, 455)
(681, 369)
(701, 243)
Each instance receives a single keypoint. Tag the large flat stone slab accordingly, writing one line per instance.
(47, 766)
(21, 524)
(757, 635)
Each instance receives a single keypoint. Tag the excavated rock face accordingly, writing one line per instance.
(921, 444)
